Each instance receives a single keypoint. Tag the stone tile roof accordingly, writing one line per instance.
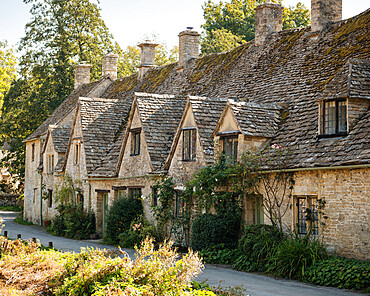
(60, 136)
(256, 120)
(160, 116)
(100, 120)
(292, 68)
(352, 81)
(206, 112)
(359, 84)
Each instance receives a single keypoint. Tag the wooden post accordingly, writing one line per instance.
(19, 236)
(5, 233)
(50, 244)
(34, 239)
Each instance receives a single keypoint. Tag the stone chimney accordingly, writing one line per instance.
(109, 65)
(188, 46)
(269, 19)
(147, 57)
(82, 74)
(324, 12)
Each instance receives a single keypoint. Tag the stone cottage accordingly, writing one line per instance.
(306, 88)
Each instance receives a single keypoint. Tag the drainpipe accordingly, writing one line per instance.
(41, 179)
(89, 202)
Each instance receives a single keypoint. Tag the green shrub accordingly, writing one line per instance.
(339, 272)
(153, 272)
(120, 215)
(73, 222)
(256, 244)
(217, 255)
(294, 255)
(209, 230)
(139, 229)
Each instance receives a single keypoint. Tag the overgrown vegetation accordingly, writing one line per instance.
(121, 214)
(28, 270)
(73, 222)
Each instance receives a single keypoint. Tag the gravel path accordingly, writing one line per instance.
(255, 285)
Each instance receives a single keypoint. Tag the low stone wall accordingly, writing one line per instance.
(10, 200)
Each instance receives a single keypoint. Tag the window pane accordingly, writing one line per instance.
(315, 216)
(342, 117)
(193, 143)
(330, 117)
(231, 147)
(185, 147)
(301, 211)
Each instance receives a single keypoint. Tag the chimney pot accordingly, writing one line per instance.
(147, 57)
(325, 12)
(109, 65)
(82, 74)
(269, 19)
(188, 46)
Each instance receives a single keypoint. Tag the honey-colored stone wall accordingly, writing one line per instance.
(347, 196)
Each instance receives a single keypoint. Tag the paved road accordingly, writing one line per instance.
(255, 285)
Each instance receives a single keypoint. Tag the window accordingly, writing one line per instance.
(34, 194)
(307, 215)
(179, 204)
(189, 144)
(334, 118)
(50, 198)
(154, 197)
(50, 163)
(77, 153)
(33, 152)
(134, 192)
(258, 210)
(135, 141)
(121, 193)
(79, 198)
(230, 147)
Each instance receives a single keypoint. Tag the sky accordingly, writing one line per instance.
(130, 21)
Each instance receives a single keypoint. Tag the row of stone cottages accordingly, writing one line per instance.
(112, 134)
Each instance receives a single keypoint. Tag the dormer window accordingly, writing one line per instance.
(189, 144)
(334, 118)
(230, 147)
(135, 141)
(50, 163)
(77, 153)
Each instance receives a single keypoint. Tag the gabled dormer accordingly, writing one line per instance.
(192, 145)
(151, 127)
(345, 99)
(244, 125)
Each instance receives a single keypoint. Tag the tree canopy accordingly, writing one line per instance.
(60, 34)
(7, 69)
(229, 24)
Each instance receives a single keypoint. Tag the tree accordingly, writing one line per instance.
(7, 69)
(219, 40)
(60, 33)
(237, 18)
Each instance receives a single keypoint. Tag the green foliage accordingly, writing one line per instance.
(8, 62)
(294, 255)
(153, 272)
(120, 216)
(140, 229)
(339, 272)
(65, 190)
(237, 17)
(165, 192)
(73, 222)
(209, 230)
(59, 34)
(219, 255)
(220, 40)
(256, 245)
(11, 208)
